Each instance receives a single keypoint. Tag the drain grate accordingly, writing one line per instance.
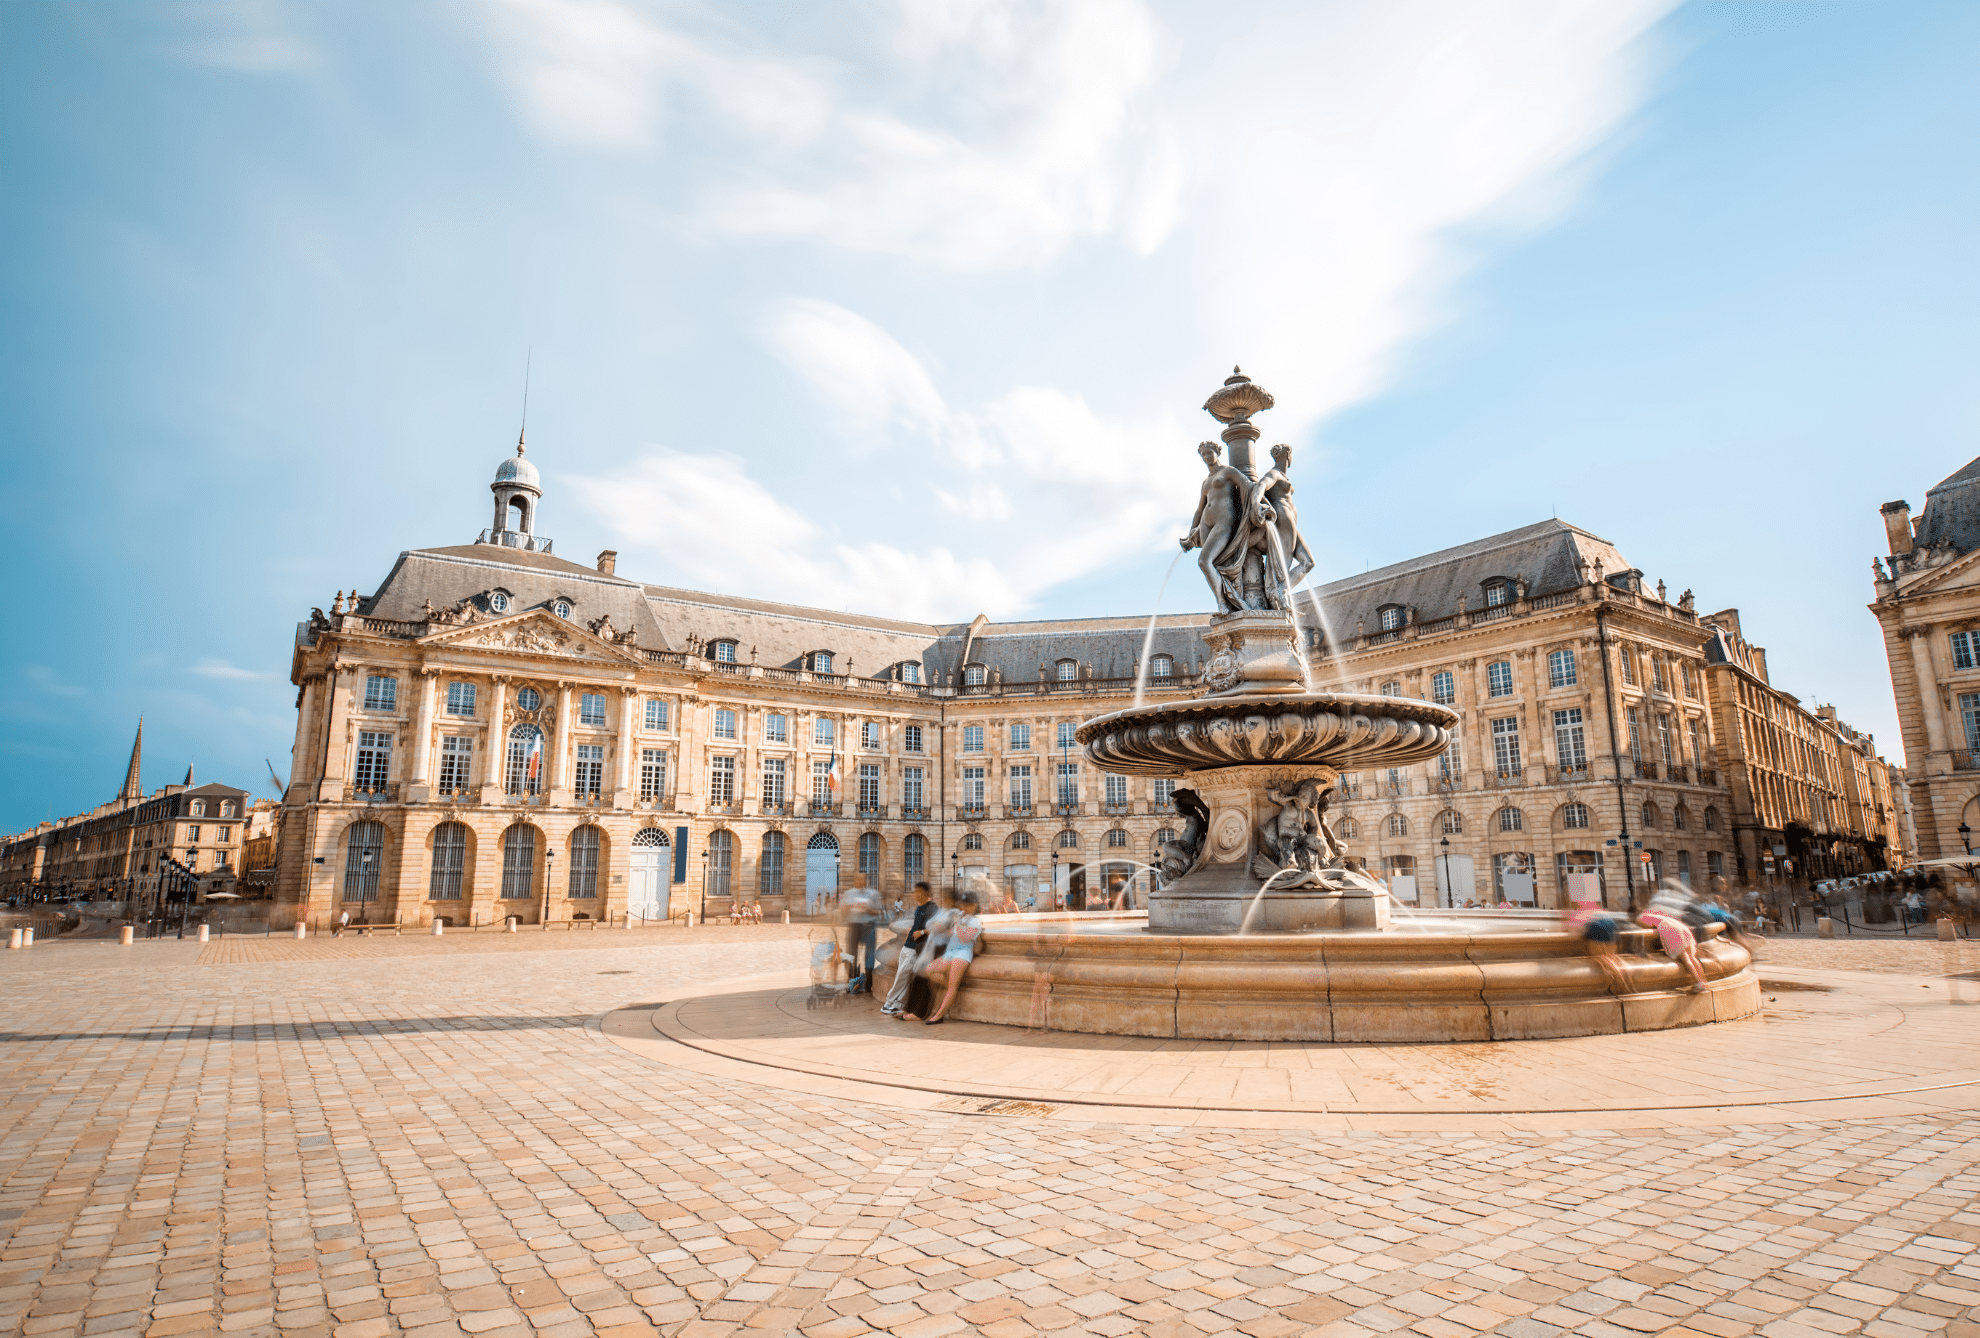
(979, 1105)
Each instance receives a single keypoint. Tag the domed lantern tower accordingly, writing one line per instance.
(517, 490)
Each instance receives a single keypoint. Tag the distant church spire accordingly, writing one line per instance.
(189, 776)
(133, 787)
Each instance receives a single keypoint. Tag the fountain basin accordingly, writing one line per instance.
(1339, 731)
(1482, 980)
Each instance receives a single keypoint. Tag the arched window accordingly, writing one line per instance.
(1347, 829)
(226, 808)
(197, 808)
(1020, 840)
(1391, 617)
(584, 862)
(1649, 817)
(1392, 689)
(1511, 820)
(1498, 591)
(647, 838)
(524, 773)
(1711, 819)
(1161, 666)
(721, 861)
(519, 863)
(869, 858)
(973, 841)
(1680, 818)
(449, 862)
(1068, 670)
(1443, 687)
(1450, 823)
(722, 652)
(1117, 839)
(1164, 836)
(914, 855)
(910, 671)
(974, 675)
(1069, 840)
(1398, 825)
(364, 854)
(1574, 815)
(770, 869)
(821, 662)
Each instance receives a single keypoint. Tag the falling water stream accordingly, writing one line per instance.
(1148, 639)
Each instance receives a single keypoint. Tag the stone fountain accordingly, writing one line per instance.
(1262, 927)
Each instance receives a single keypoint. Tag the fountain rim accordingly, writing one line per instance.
(1274, 703)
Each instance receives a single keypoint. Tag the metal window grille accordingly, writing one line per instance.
(776, 729)
(914, 855)
(519, 863)
(911, 739)
(911, 778)
(1560, 669)
(1116, 789)
(775, 791)
(972, 738)
(1498, 678)
(364, 854)
(1020, 738)
(590, 768)
(449, 862)
(725, 723)
(460, 699)
(721, 780)
(652, 774)
(584, 863)
(381, 694)
(1021, 787)
(869, 858)
(721, 862)
(972, 787)
(869, 786)
(374, 760)
(591, 708)
(1570, 748)
(770, 868)
(1443, 687)
(656, 714)
(456, 762)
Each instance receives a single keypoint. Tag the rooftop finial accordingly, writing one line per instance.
(527, 357)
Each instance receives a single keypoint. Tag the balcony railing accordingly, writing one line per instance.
(1449, 784)
(815, 809)
(872, 813)
(1508, 779)
(730, 808)
(1706, 777)
(1163, 806)
(1679, 774)
(1344, 790)
(1017, 810)
(384, 794)
(1114, 809)
(774, 809)
(1066, 810)
(1395, 787)
(914, 812)
(1572, 775)
(1963, 760)
(967, 812)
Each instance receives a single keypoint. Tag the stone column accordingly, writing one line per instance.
(560, 783)
(422, 767)
(1928, 690)
(623, 795)
(491, 765)
(336, 748)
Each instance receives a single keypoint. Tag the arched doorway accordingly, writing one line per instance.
(821, 872)
(648, 894)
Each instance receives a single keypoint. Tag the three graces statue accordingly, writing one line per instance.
(1247, 534)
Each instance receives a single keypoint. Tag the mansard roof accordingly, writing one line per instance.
(1952, 511)
(444, 577)
(1546, 556)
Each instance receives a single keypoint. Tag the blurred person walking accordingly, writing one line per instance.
(1666, 915)
(912, 947)
(862, 911)
(964, 932)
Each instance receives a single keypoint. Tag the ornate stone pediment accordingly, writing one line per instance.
(534, 632)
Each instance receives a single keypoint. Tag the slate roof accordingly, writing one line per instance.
(781, 635)
(446, 576)
(1952, 511)
(1546, 555)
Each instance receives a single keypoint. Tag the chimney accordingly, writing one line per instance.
(1897, 524)
(608, 561)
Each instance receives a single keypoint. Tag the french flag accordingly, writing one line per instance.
(533, 762)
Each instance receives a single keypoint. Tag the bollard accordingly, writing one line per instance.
(1825, 927)
(439, 928)
(14, 940)
(787, 917)
(27, 938)
(628, 923)
(302, 929)
(203, 934)
(690, 919)
(1945, 930)
(127, 934)
(509, 925)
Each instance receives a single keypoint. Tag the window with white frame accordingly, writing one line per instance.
(1969, 714)
(1450, 823)
(911, 739)
(1066, 728)
(456, 762)
(821, 782)
(1068, 783)
(381, 694)
(460, 699)
(528, 699)
(1560, 669)
(1570, 747)
(656, 713)
(1962, 650)
(1161, 666)
(1574, 815)
(776, 791)
(562, 608)
(721, 780)
(1657, 683)
(1021, 787)
(910, 672)
(652, 774)
(226, 808)
(1497, 593)
(914, 856)
(1499, 678)
(584, 863)
(1020, 738)
(1450, 764)
(1069, 840)
(197, 808)
(823, 731)
(1020, 841)
(974, 675)
(821, 662)
(1348, 829)
(1443, 687)
(1690, 683)
(1391, 617)
(972, 787)
(1664, 740)
(869, 735)
(1634, 723)
(1165, 793)
(1505, 746)
(911, 789)
(591, 708)
(1117, 839)
(972, 738)
(1398, 825)
(973, 841)
(523, 768)
(1392, 689)
(1697, 753)
(1068, 670)
(1627, 657)
(869, 787)
(498, 601)
(192, 832)
(1117, 795)
(226, 833)
(725, 723)
(776, 729)
(723, 652)
(1511, 820)
(590, 768)
(374, 760)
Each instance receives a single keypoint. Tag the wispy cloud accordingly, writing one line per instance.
(222, 669)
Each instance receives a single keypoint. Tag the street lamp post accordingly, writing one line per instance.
(704, 885)
(549, 854)
(1966, 838)
(955, 875)
(1444, 855)
(1058, 903)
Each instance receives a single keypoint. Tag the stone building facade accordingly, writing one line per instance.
(496, 731)
(1928, 605)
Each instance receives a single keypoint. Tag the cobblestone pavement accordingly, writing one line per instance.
(445, 1144)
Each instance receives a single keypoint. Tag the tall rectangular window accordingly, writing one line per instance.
(381, 694)
(590, 768)
(1020, 738)
(911, 739)
(1969, 713)
(869, 735)
(972, 738)
(911, 789)
(374, 760)
(1021, 787)
(1664, 739)
(1450, 763)
(1066, 728)
(1560, 669)
(652, 774)
(1690, 682)
(1117, 790)
(460, 699)
(449, 862)
(972, 787)
(721, 780)
(1628, 659)
(776, 729)
(1165, 793)
(584, 864)
(869, 787)
(1635, 734)
(523, 770)
(821, 782)
(1697, 753)
(1498, 678)
(1569, 748)
(656, 713)
(1962, 650)
(1657, 683)
(821, 732)
(1443, 687)
(456, 759)
(725, 723)
(776, 792)
(1505, 746)
(591, 708)
(1068, 783)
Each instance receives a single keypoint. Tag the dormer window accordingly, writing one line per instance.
(498, 600)
(722, 652)
(1391, 617)
(1498, 592)
(910, 672)
(1161, 666)
(197, 808)
(821, 662)
(562, 608)
(974, 675)
(1068, 670)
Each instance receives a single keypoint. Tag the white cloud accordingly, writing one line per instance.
(857, 370)
(222, 669)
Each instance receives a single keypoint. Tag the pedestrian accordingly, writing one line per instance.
(911, 949)
(862, 908)
(1599, 929)
(964, 933)
(920, 1001)
(1665, 914)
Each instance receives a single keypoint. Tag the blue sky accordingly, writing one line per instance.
(909, 309)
